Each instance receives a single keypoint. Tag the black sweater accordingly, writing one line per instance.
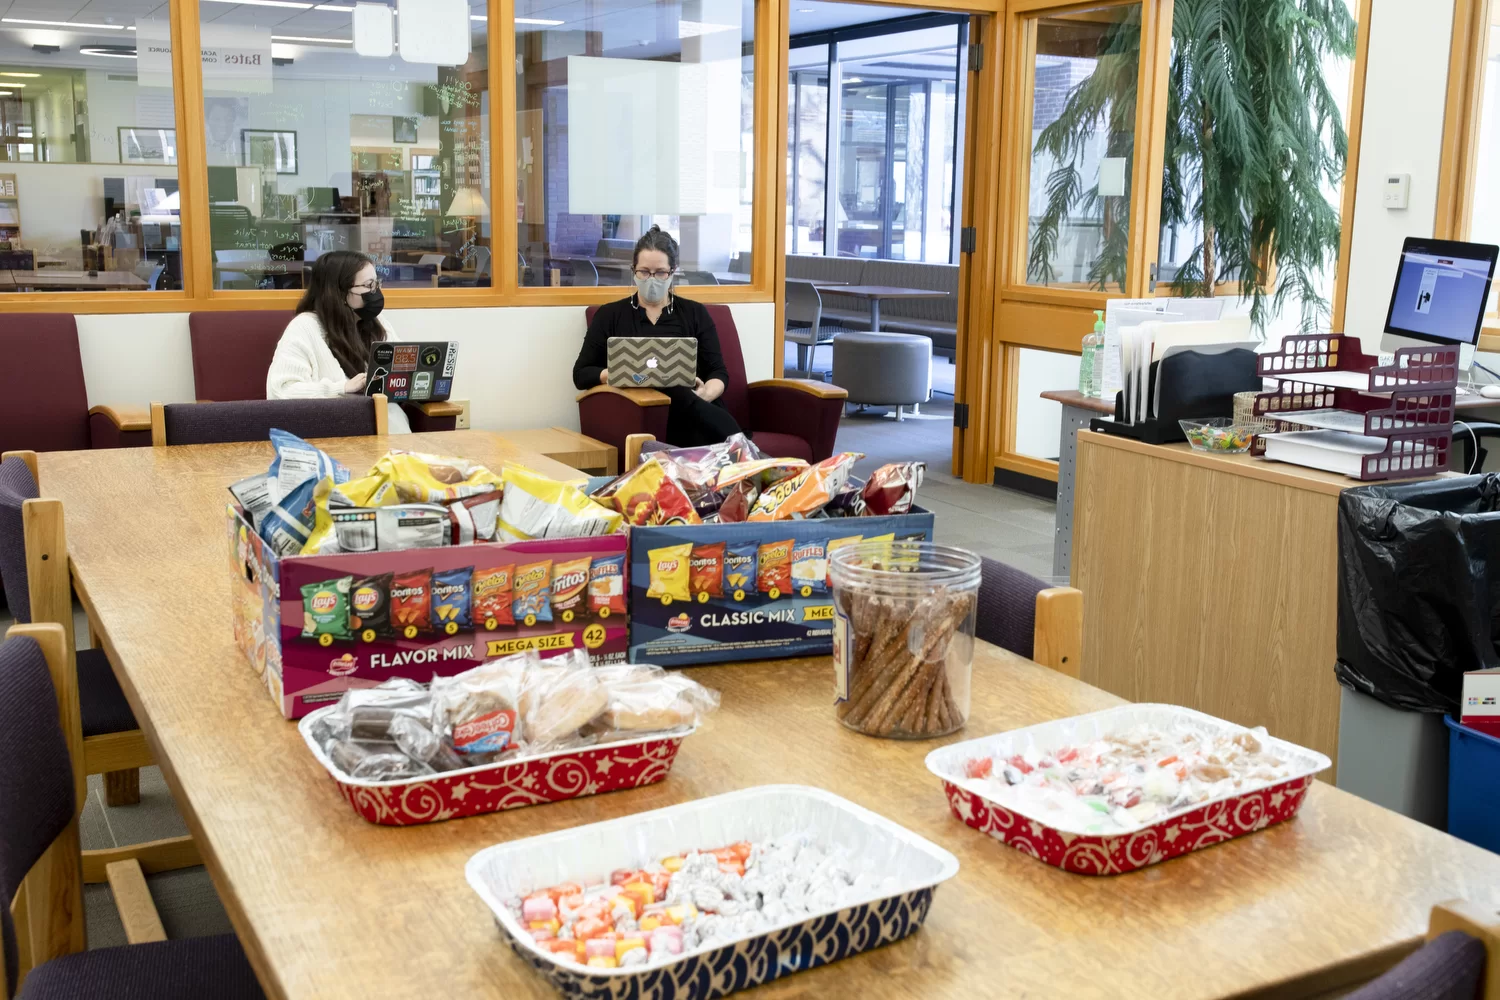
(626, 318)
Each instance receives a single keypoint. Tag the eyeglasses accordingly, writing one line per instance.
(366, 286)
(643, 274)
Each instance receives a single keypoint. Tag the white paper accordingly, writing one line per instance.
(1116, 313)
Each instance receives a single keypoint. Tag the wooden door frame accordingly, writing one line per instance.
(1052, 318)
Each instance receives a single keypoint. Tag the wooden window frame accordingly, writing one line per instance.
(199, 295)
(1458, 164)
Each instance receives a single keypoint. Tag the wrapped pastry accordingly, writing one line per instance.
(652, 699)
(561, 697)
(479, 709)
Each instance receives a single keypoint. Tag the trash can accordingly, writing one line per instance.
(1417, 608)
(1473, 786)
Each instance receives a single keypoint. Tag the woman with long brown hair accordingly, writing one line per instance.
(325, 349)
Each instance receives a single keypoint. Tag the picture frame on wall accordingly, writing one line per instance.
(269, 150)
(147, 145)
(404, 129)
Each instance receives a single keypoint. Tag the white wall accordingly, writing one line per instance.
(1406, 85)
(515, 364)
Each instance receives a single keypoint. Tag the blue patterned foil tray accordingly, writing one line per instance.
(754, 814)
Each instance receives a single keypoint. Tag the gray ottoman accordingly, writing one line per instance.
(886, 369)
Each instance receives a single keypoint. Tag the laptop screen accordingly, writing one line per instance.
(1441, 290)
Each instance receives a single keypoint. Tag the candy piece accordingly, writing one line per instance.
(550, 926)
(602, 945)
(651, 922)
(603, 962)
(628, 944)
(540, 934)
(672, 864)
(557, 892)
(664, 942)
(588, 928)
(538, 908)
(635, 956)
(677, 914)
(644, 891)
(741, 850)
(625, 901)
(979, 768)
(620, 876)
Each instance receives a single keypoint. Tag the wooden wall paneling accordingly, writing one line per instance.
(192, 158)
(1466, 65)
(768, 225)
(504, 259)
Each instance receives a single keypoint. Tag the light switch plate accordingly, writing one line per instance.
(434, 32)
(1397, 190)
(374, 30)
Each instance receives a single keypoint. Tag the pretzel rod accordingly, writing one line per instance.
(875, 669)
(927, 666)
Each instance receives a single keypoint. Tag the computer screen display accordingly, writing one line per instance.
(1441, 290)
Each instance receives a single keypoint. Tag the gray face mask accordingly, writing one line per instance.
(653, 291)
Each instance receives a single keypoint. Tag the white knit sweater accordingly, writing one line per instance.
(303, 367)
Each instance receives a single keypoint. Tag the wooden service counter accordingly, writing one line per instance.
(1209, 581)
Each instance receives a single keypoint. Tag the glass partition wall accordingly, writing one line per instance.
(881, 183)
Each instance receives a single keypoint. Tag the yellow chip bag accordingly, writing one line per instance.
(669, 572)
(419, 478)
(369, 491)
(534, 506)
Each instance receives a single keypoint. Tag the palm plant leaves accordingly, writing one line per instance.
(1253, 136)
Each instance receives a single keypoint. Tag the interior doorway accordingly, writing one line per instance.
(878, 119)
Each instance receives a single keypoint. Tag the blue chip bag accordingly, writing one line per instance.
(286, 526)
(451, 599)
(297, 461)
(739, 567)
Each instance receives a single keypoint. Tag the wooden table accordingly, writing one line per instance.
(1077, 411)
(329, 906)
(568, 447)
(76, 281)
(875, 293)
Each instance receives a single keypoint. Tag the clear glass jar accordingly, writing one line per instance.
(903, 637)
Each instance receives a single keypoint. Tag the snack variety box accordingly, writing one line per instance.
(316, 626)
(1480, 701)
(749, 590)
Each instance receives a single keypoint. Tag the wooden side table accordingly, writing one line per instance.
(568, 447)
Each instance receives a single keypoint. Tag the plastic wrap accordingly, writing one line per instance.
(821, 869)
(479, 710)
(1071, 846)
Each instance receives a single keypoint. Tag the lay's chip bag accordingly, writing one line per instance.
(669, 573)
(325, 610)
(419, 478)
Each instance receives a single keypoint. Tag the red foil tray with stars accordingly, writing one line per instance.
(566, 774)
(1212, 823)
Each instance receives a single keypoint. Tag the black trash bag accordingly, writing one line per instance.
(1419, 589)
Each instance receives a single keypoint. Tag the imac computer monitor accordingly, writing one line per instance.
(1440, 295)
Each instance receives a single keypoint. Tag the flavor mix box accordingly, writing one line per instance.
(1479, 706)
(315, 626)
(752, 590)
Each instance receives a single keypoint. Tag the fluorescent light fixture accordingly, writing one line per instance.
(14, 85)
(280, 51)
(374, 30)
(107, 51)
(6, 93)
(24, 76)
(342, 8)
(62, 24)
(479, 17)
(544, 22)
(311, 40)
(806, 10)
(268, 3)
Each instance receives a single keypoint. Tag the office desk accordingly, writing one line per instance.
(330, 906)
(53, 280)
(1210, 582)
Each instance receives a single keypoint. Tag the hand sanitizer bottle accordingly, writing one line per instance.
(1090, 370)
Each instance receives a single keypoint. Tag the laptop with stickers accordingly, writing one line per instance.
(420, 372)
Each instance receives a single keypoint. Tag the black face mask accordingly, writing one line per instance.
(374, 302)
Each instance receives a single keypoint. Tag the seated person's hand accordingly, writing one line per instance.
(698, 387)
(355, 384)
(604, 377)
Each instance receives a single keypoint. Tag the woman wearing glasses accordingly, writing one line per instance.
(697, 415)
(325, 349)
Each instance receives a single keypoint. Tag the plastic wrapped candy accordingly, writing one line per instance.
(892, 488)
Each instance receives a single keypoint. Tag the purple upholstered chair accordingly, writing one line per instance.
(252, 419)
(1449, 967)
(37, 782)
(1018, 612)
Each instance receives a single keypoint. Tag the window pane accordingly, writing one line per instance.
(313, 147)
(1038, 421)
(625, 118)
(807, 148)
(88, 158)
(896, 145)
(1484, 221)
(1083, 143)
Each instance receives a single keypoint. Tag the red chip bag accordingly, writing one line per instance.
(774, 567)
(706, 571)
(411, 603)
(892, 488)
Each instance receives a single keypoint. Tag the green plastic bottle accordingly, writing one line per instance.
(1091, 368)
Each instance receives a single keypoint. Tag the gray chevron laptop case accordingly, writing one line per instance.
(652, 362)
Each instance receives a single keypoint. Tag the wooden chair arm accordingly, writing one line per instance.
(126, 418)
(822, 390)
(1057, 641)
(1478, 921)
(633, 445)
(447, 408)
(640, 397)
(133, 899)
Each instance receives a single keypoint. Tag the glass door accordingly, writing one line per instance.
(1085, 118)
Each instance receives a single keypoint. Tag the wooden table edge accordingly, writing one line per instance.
(1076, 399)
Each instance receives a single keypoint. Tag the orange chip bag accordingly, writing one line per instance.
(805, 494)
(570, 585)
(774, 567)
(492, 597)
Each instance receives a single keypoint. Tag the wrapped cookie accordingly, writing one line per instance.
(478, 710)
(561, 697)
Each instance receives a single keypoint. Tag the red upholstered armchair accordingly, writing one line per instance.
(45, 405)
(788, 417)
(232, 352)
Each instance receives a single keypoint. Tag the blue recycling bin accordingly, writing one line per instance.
(1473, 785)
